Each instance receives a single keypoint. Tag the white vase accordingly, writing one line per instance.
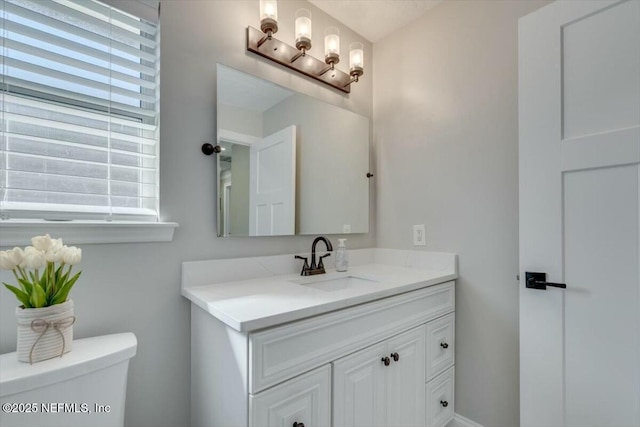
(44, 333)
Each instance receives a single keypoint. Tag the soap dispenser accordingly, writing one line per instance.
(342, 257)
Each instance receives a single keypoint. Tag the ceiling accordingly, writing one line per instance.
(375, 19)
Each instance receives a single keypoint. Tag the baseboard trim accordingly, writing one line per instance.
(460, 421)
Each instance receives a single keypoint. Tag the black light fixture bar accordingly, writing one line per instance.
(284, 54)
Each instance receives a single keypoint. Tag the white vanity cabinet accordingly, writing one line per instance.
(269, 351)
(285, 375)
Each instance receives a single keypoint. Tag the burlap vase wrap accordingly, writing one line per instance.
(44, 333)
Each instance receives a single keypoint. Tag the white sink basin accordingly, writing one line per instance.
(335, 281)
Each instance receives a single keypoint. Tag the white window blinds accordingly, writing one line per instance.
(79, 111)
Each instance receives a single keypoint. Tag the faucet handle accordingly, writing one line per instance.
(305, 267)
(320, 263)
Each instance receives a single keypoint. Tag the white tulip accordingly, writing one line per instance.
(42, 243)
(5, 261)
(11, 259)
(72, 255)
(16, 255)
(54, 255)
(57, 244)
(33, 258)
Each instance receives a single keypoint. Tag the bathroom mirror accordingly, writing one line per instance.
(290, 164)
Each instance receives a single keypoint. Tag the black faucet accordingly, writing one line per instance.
(315, 269)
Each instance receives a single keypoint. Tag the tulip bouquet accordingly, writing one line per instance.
(43, 271)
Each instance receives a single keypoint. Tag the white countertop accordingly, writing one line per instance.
(262, 298)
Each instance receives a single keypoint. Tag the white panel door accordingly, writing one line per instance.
(406, 378)
(301, 401)
(272, 184)
(359, 388)
(579, 95)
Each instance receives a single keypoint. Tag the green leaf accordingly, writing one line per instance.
(58, 275)
(38, 297)
(43, 281)
(50, 289)
(27, 287)
(64, 276)
(23, 297)
(63, 292)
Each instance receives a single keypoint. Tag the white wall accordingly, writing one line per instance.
(136, 287)
(446, 136)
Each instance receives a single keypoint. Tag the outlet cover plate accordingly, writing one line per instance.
(419, 238)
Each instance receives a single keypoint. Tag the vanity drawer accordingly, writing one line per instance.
(283, 352)
(440, 394)
(440, 345)
(304, 400)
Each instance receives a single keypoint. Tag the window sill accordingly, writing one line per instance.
(19, 232)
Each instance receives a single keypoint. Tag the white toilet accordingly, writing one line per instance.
(86, 387)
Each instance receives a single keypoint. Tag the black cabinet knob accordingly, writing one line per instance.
(444, 403)
(395, 357)
(297, 424)
(386, 361)
(444, 345)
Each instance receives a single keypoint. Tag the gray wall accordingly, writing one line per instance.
(136, 287)
(240, 120)
(446, 136)
(239, 208)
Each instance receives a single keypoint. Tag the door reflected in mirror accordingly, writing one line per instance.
(290, 164)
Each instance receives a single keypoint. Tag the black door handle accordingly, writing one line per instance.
(539, 281)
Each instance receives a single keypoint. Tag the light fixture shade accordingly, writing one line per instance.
(356, 59)
(331, 45)
(269, 16)
(303, 29)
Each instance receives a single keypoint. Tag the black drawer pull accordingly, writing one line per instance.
(395, 357)
(444, 404)
(297, 424)
(386, 361)
(444, 345)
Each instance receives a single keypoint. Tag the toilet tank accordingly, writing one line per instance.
(86, 387)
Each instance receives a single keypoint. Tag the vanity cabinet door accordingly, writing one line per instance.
(440, 394)
(382, 385)
(406, 378)
(304, 401)
(440, 345)
(359, 388)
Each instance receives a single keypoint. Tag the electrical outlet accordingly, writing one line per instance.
(346, 228)
(419, 238)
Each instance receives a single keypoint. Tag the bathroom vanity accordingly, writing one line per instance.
(371, 346)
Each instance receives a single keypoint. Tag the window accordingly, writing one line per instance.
(79, 104)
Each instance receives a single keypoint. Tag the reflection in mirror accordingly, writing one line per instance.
(290, 164)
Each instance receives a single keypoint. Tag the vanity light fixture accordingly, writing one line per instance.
(303, 32)
(263, 43)
(331, 48)
(356, 60)
(268, 19)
